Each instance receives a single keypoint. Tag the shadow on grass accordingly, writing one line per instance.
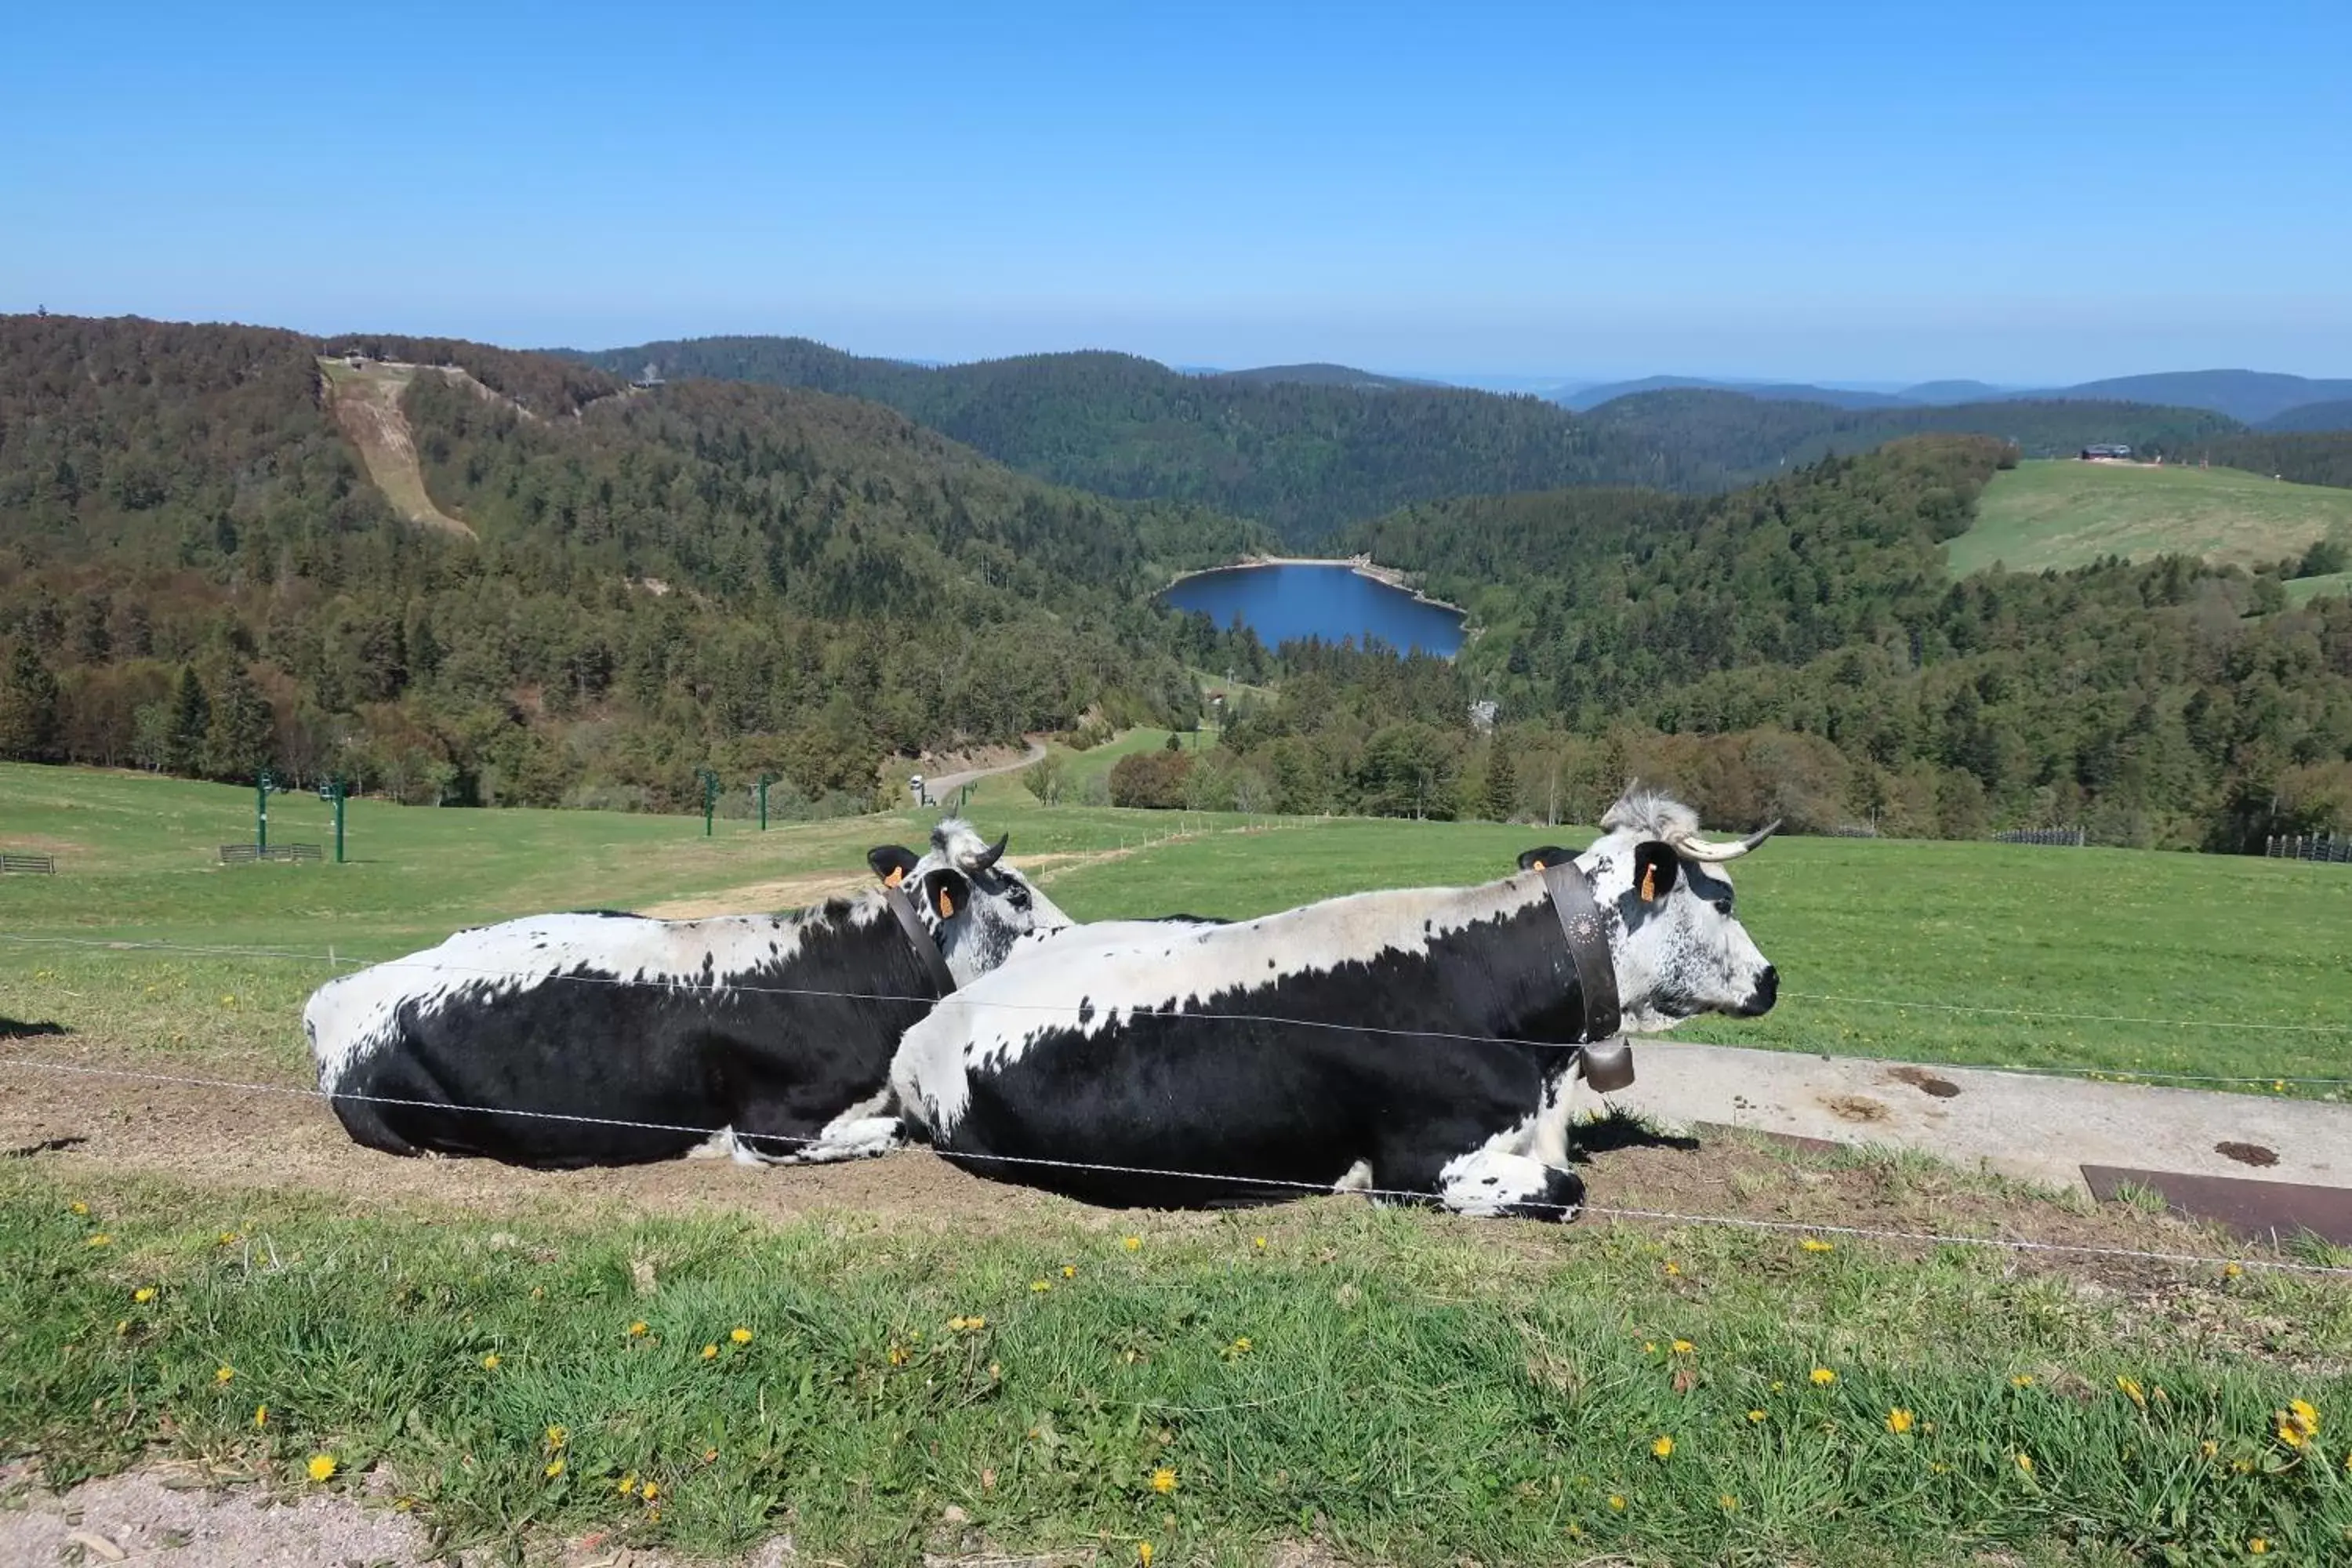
(1619, 1130)
(10, 1029)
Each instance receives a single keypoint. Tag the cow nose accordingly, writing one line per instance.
(1768, 990)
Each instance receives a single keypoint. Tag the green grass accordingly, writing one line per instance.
(1409, 1392)
(2334, 584)
(1417, 1389)
(2065, 514)
(2003, 954)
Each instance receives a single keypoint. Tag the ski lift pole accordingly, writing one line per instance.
(765, 780)
(332, 792)
(709, 796)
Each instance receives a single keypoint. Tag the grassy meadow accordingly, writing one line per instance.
(1373, 1386)
(2060, 513)
(2116, 960)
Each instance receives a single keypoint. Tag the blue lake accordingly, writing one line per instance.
(1284, 604)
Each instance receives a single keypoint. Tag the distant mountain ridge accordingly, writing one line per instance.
(2248, 397)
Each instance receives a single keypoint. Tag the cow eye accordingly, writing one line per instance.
(1723, 907)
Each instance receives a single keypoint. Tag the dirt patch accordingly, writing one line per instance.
(1855, 1108)
(188, 1517)
(1927, 1082)
(762, 898)
(2247, 1154)
(366, 405)
(239, 1141)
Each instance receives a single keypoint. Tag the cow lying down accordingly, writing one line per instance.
(754, 1024)
(1321, 1049)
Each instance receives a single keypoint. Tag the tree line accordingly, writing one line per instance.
(199, 576)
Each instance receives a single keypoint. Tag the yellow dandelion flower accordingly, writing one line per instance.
(653, 1516)
(2132, 1390)
(122, 1325)
(1649, 1347)
(1755, 1416)
(557, 1436)
(898, 1356)
(145, 1294)
(640, 1329)
(230, 1237)
(1143, 1552)
(1815, 1244)
(1899, 1421)
(2304, 1414)
(1132, 1243)
(1663, 1446)
(1258, 1242)
(490, 1361)
(1163, 1480)
(1617, 1503)
(2022, 1379)
(627, 1485)
(1241, 1346)
(1069, 1271)
(261, 1415)
(2231, 1270)
(1683, 1347)
(101, 1239)
(321, 1466)
(2258, 1546)
(2292, 1435)
(1823, 1377)
(740, 1336)
(1778, 1386)
(78, 1206)
(1728, 1503)
(975, 1324)
(2209, 1448)
(1939, 1468)
(2026, 1463)
(709, 1353)
(1673, 1271)
(554, 1467)
(650, 1491)
(1041, 1285)
(224, 1374)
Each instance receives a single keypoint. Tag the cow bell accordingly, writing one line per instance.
(1606, 1064)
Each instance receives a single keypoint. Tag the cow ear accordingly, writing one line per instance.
(1549, 855)
(891, 863)
(947, 893)
(1655, 867)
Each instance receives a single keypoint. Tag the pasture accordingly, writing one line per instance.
(940, 1365)
(2060, 513)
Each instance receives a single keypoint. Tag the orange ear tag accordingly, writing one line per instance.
(1539, 866)
(898, 875)
(946, 904)
(1649, 884)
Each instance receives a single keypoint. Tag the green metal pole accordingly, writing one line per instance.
(261, 811)
(339, 792)
(765, 780)
(709, 796)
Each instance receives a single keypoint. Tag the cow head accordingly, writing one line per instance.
(1679, 950)
(978, 908)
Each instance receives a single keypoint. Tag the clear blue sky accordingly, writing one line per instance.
(2021, 193)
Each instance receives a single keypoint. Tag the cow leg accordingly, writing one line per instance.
(1489, 1183)
(851, 1138)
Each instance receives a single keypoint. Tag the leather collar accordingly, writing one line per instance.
(918, 937)
(1587, 931)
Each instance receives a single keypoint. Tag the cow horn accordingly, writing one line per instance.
(1707, 849)
(993, 853)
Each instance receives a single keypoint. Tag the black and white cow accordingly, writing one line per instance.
(1408, 1041)
(761, 1026)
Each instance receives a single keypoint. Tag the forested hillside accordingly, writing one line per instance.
(1306, 457)
(2316, 458)
(1702, 439)
(195, 575)
(2335, 416)
(1807, 625)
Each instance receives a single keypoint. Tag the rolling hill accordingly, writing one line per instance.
(2043, 515)
(2310, 416)
(1583, 399)
(1306, 457)
(2248, 397)
(1326, 376)
(612, 587)
(1704, 438)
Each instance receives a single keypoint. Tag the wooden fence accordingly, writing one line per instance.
(2309, 847)
(39, 864)
(2064, 837)
(241, 853)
